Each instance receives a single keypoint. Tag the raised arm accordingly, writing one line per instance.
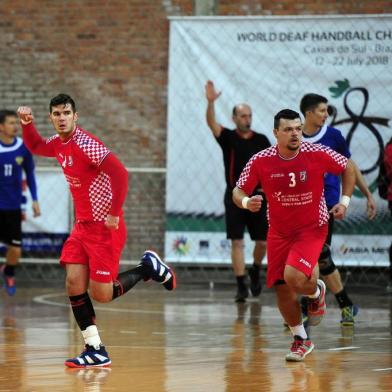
(363, 187)
(212, 95)
(31, 138)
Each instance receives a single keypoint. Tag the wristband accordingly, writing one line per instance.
(345, 200)
(244, 202)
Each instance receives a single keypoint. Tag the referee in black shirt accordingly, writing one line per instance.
(238, 146)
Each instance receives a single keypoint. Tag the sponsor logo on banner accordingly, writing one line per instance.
(361, 250)
(181, 245)
(225, 245)
(204, 246)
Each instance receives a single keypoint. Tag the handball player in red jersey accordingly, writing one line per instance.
(98, 182)
(292, 176)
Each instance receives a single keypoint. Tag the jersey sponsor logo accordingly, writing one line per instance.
(303, 261)
(277, 175)
(277, 195)
(73, 182)
(19, 160)
(303, 176)
(99, 272)
(63, 160)
(66, 160)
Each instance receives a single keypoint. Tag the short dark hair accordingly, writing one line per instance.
(287, 114)
(6, 113)
(62, 99)
(310, 101)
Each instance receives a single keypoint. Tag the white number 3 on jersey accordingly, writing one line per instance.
(292, 180)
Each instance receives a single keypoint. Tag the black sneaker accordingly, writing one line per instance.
(242, 294)
(255, 281)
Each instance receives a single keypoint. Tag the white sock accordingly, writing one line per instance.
(316, 294)
(299, 330)
(91, 336)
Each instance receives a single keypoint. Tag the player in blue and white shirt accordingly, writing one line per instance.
(314, 107)
(14, 160)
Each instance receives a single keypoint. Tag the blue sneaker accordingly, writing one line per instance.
(158, 270)
(348, 314)
(90, 357)
(9, 282)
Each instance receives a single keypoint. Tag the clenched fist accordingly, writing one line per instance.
(25, 115)
(254, 203)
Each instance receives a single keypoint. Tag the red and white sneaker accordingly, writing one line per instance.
(317, 307)
(300, 348)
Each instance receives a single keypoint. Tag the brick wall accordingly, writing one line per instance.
(111, 56)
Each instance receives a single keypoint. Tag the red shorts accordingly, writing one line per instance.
(93, 244)
(301, 250)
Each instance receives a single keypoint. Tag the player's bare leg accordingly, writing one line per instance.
(331, 276)
(313, 288)
(287, 300)
(13, 255)
(334, 283)
(237, 257)
(290, 309)
(77, 282)
(238, 263)
(94, 354)
(299, 282)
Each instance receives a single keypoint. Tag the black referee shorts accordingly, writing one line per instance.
(237, 219)
(11, 227)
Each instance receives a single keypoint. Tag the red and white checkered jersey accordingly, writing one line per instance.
(294, 187)
(80, 157)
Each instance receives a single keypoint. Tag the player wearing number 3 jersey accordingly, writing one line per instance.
(292, 176)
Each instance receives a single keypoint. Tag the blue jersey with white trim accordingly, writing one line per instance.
(332, 138)
(14, 159)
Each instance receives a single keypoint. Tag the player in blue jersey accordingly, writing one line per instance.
(14, 159)
(315, 110)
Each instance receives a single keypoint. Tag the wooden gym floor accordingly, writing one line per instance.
(194, 339)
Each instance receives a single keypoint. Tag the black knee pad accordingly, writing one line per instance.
(326, 264)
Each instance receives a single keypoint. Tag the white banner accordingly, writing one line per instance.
(44, 236)
(55, 203)
(270, 63)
